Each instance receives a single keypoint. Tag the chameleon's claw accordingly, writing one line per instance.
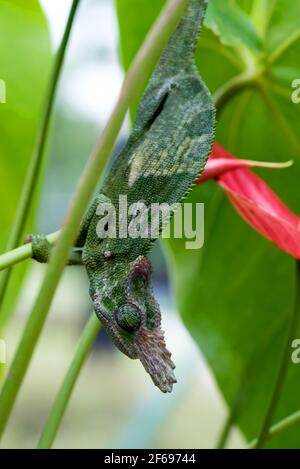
(156, 358)
(41, 247)
(28, 239)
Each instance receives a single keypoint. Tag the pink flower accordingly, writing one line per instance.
(253, 199)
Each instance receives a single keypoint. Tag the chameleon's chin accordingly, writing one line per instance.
(155, 357)
(150, 347)
(125, 346)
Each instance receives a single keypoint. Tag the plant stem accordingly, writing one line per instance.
(280, 427)
(227, 91)
(22, 253)
(283, 368)
(136, 79)
(233, 412)
(84, 346)
(261, 12)
(35, 166)
(225, 432)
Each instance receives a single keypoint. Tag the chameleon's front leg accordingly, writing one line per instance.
(41, 248)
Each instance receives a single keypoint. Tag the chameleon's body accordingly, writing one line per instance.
(166, 152)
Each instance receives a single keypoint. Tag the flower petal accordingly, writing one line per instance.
(221, 161)
(254, 200)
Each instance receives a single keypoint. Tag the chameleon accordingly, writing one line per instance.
(165, 154)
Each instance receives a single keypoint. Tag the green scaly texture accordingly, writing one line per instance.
(166, 152)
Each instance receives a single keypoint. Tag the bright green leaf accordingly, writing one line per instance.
(231, 25)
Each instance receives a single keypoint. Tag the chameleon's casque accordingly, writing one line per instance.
(166, 152)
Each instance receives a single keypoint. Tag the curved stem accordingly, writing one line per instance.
(280, 427)
(135, 81)
(285, 360)
(57, 412)
(34, 170)
(227, 91)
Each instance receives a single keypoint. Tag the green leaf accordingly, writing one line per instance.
(25, 56)
(236, 294)
(232, 25)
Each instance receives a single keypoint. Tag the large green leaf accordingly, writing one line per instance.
(25, 57)
(233, 26)
(236, 294)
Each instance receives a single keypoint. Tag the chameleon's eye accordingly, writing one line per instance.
(128, 317)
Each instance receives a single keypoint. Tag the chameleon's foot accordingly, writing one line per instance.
(41, 247)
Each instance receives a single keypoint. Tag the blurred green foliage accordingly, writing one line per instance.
(25, 58)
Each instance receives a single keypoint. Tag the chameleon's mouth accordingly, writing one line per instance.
(155, 357)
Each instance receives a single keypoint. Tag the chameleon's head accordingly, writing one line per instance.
(131, 316)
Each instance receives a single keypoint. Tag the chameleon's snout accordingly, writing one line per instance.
(155, 357)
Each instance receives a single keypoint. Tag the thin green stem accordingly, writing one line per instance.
(261, 13)
(136, 79)
(35, 166)
(57, 412)
(284, 46)
(230, 89)
(283, 368)
(280, 427)
(22, 253)
(234, 410)
(225, 432)
(276, 429)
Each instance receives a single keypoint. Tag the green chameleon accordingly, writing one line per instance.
(166, 152)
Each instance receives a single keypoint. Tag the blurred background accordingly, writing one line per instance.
(114, 403)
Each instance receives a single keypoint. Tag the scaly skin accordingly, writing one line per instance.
(165, 154)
